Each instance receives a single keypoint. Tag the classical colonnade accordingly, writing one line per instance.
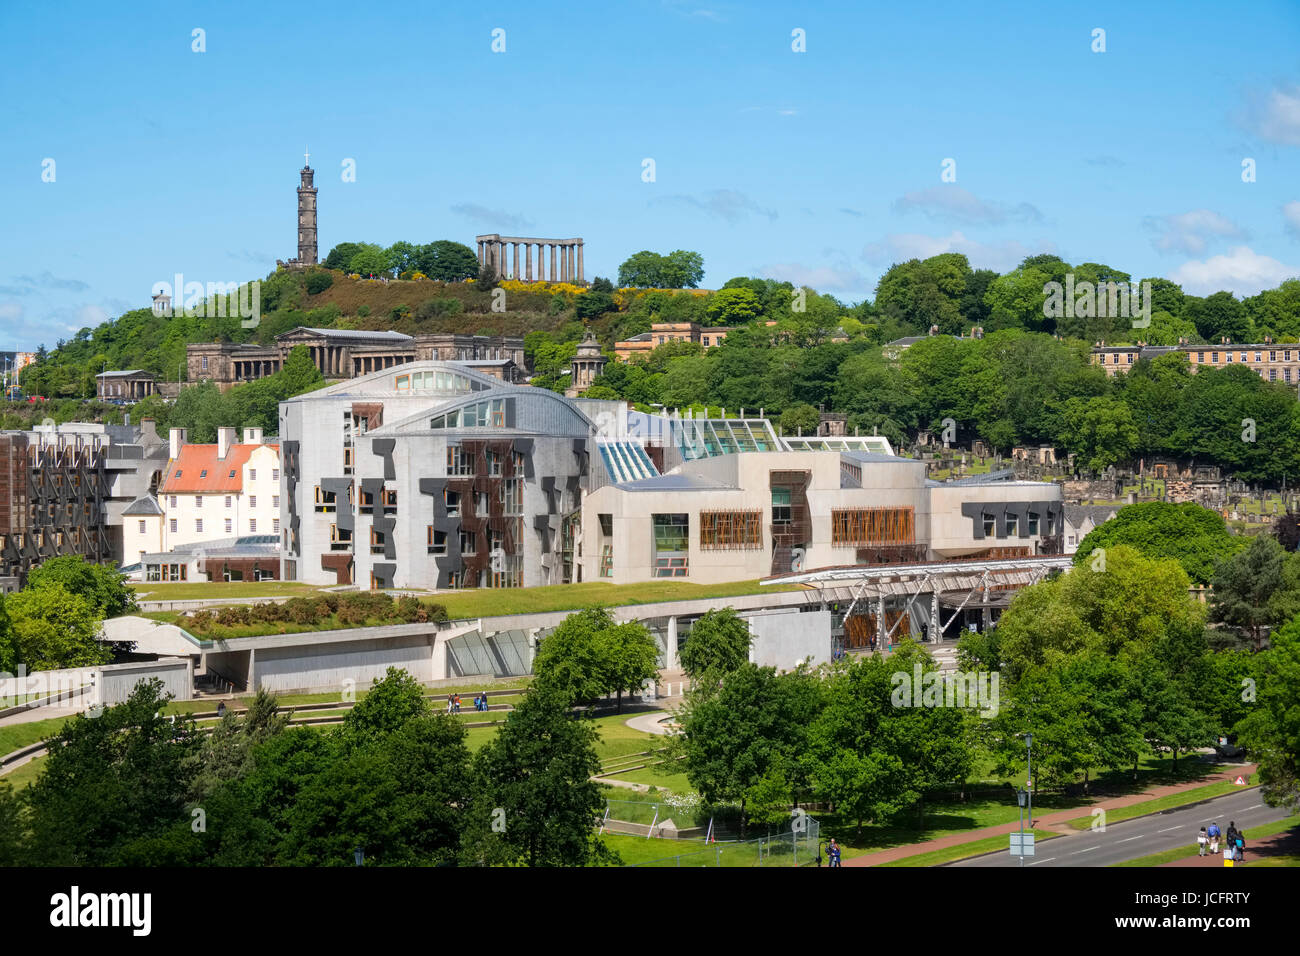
(495, 250)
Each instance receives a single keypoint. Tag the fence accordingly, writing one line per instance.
(792, 848)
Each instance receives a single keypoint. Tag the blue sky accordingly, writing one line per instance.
(821, 167)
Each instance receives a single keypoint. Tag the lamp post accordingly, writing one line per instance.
(359, 856)
(1029, 774)
(1021, 794)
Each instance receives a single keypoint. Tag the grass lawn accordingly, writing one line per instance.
(1162, 803)
(24, 776)
(633, 850)
(1252, 833)
(963, 850)
(486, 602)
(16, 736)
(665, 776)
(215, 590)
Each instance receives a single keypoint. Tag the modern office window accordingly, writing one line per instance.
(781, 510)
(855, 527)
(437, 542)
(672, 535)
(460, 463)
(731, 530)
(452, 500)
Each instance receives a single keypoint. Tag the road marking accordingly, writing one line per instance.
(1167, 829)
(1138, 837)
(1089, 850)
(1048, 860)
(1255, 807)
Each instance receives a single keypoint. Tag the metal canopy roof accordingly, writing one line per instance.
(952, 575)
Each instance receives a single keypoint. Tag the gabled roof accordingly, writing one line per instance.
(198, 470)
(143, 506)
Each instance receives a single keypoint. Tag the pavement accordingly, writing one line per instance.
(1057, 820)
(1167, 830)
(655, 722)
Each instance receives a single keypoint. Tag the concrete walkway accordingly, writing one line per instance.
(1057, 820)
(655, 722)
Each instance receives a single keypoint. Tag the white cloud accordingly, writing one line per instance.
(1277, 118)
(10, 311)
(1002, 256)
(1190, 233)
(957, 205)
(726, 204)
(1242, 271)
(497, 217)
(1291, 213)
(820, 278)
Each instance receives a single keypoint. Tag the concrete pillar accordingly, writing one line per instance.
(501, 260)
(936, 623)
(880, 623)
(516, 272)
(552, 245)
(984, 600)
(581, 275)
(528, 262)
(670, 649)
(480, 253)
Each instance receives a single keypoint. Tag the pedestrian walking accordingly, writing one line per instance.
(1214, 834)
(221, 708)
(834, 851)
(1202, 839)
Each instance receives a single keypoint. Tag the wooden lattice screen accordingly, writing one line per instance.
(853, 527)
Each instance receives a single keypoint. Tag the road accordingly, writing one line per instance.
(1144, 835)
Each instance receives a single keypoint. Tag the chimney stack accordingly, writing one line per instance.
(177, 439)
(225, 438)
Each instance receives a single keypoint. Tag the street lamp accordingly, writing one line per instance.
(359, 856)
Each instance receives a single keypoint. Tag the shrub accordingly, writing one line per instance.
(301, 610)
(232, 616)
(318, 281)
(198, 622)
(363, 310)
(410, 610)
(436, 612)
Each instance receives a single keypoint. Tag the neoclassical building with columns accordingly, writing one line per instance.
(349, 353)
(496, 251)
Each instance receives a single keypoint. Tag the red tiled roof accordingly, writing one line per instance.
(184, 474)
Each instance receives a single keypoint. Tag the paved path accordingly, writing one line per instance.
(655, 722)
(1286, 842)
(1130, 839)
(1056, 820)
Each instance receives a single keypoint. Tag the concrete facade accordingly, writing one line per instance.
(432, 476)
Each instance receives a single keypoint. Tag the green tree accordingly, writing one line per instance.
(757, 719)
(50, 628)
(1196, 537)
(112, 781)
(1248, 587)
(1100, 431)
(733, 307)
(1270, 731)
(717, 645)
(538, 804)
(447, 261)
(103, 588)
(340, 257)
(800, 419)
(391, 703)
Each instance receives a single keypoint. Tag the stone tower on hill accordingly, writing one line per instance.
(306, 221)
